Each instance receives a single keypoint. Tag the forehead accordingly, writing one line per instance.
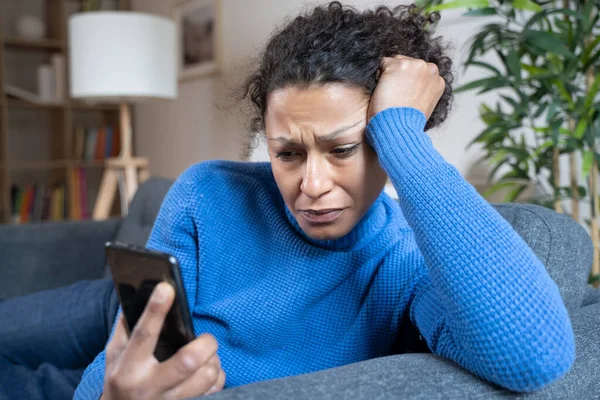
(322, 105)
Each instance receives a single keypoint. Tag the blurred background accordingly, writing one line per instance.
(204, 121)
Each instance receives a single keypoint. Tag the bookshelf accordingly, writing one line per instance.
(42, 155)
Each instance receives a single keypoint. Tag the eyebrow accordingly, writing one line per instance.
(325, 138)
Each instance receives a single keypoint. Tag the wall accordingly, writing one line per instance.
(193, 128)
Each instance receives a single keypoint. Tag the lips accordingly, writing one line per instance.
(322, 216)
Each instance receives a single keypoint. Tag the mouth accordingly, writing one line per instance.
(322, 216)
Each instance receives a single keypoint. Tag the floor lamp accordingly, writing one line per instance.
(122, 57)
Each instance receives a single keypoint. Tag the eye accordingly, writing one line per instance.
(344, 152)
(287, 156)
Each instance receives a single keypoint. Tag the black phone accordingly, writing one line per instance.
(135, 272)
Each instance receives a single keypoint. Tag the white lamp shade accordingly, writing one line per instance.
(122, 56)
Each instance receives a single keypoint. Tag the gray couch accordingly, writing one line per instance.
(44, 256)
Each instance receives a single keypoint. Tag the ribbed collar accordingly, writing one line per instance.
(367, 228)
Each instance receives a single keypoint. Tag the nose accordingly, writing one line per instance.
(316, 180)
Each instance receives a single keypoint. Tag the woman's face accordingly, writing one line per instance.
(326, 172)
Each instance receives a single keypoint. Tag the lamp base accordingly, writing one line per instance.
(108, 186)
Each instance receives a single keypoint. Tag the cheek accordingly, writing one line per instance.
(287, 181)
(370, 178)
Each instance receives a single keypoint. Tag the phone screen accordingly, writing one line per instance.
(136, 271)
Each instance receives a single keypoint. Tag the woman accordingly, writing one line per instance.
(303, 264)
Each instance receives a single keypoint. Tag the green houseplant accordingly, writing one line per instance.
(548, 59)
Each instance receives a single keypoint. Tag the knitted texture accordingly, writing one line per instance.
(280, 303)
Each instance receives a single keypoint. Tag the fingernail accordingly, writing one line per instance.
(212, 390)
(189, 363)
(161, 293)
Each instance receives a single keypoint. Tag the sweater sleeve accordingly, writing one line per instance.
(174, 232)
(484, 299)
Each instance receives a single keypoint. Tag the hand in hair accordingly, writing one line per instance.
(407, 82)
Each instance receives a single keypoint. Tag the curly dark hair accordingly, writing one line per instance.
(336, 43)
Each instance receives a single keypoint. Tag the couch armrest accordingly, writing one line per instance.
(592, 296)
(43, 256)
(428, 376)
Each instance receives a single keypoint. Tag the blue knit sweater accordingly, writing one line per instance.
(281, 304)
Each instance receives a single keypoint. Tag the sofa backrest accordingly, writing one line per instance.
(136, 226)
(560, 243)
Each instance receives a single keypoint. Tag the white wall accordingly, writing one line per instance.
(191, 129)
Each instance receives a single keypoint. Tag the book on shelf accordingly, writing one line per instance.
(96, 143)
(39, 202)
(52, 80)
(51, 84)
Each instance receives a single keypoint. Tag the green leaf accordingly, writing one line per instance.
(496, 83)
(499, 156)
(487, 66)
(553, 109)
(580, 129)
(511, 101)
(585, 56)
(563, 91)
(460, 4)
(547, 42)
(542, 147)
(554, 129)
(497, 186)
(587, 11)
(526, 5)
(478, 12)
(519, 153)
(492, 173)
(588, 157)
(515, 193)
(540, 110)
(490, 136)
(545, 13)
(513, 65)
(591, 96)
(515, 174)
(486, 82)
(537, 73)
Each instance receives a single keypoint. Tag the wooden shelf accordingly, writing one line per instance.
(14, 103)
(19, 165)
(76, 105)
(53, 164)
(87, 164)
(29, 44)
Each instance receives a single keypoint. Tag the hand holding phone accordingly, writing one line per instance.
(135, 272)
(131, 367)
(154, 350)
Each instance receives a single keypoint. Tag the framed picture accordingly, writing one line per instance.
(198, 27)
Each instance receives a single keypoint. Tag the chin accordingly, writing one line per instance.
(326, 232)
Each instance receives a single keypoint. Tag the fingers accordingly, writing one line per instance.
(210, 378)
(432, 68)
(220, 384)
(117, 344)
(189, 360)
(147, 330)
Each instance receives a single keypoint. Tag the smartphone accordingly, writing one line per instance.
(135, 272)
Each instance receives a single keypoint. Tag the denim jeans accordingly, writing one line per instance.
(48, 338)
